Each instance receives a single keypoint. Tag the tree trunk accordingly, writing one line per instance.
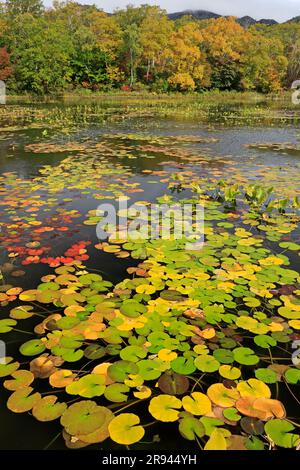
(131, 69)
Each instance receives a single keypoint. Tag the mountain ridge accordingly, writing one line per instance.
(245, 21)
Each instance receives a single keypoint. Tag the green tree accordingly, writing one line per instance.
(41, 54)
(155, 35)
(19, 7)
(265, 65)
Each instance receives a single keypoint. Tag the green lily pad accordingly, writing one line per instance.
(224, 356)
(207, 364)
(292, 376)
(231, 414)
(245, 356)
(117, 393)
(89, 386)
(210, 424)
(183, 365)
(265, 341)
(267, 376)
(253, 443)
(133, 353)
(7, 325)
(132, 309)
(190, 427)
(150, 369)
(7, 366)
(94, 351)
(120, 370)
(279, 431)
(32, 347)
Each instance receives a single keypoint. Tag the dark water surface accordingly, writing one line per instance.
(87, 127)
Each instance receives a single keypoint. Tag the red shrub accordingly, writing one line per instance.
(5, 64)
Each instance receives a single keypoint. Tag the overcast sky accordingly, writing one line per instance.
(279, 10)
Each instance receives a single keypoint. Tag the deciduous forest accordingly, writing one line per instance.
(73, 46)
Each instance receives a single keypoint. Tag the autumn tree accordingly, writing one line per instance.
(130, 21)
(5, 64)
(155, 35)
(224, 42)
(19, 7)
(187, 63)
(265, 64)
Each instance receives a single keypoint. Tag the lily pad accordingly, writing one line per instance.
(47, 409)
(165, 408)
(22, 400)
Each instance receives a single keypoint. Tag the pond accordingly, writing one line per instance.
(188, 349)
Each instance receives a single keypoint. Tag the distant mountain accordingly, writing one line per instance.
(245, 21)
(267, 22)
(197, 14)
(294, 20)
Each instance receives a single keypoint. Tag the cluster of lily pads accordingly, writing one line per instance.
(206, 340)
(202, 339)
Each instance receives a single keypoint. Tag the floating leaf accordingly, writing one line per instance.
(197, 404)
(116, 393)
(292, 376)
(132, 309)
(32, 347)
(222, 396)
(47, 409)
(125, 429)
(217, 440)
(83, 417)
(190, 427)
(229, 372)
(120, 370)
(7, 366)
(245, 356)
(183, 365)
(254, 388)
(7, 325)
(22, 378)
(268, 376)
(165, 408)
(279, 431)
(22, 312)
(88, 386)
(252, 426)
(206, 363)
(22, 400)
(171, 383)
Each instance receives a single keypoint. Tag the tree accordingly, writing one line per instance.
(155, 35)
(289, 36)
(19, 7)
(130, 21)
(224, 41)
(187, 64)
(5, 64)
(41, 54)
(265, 64)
